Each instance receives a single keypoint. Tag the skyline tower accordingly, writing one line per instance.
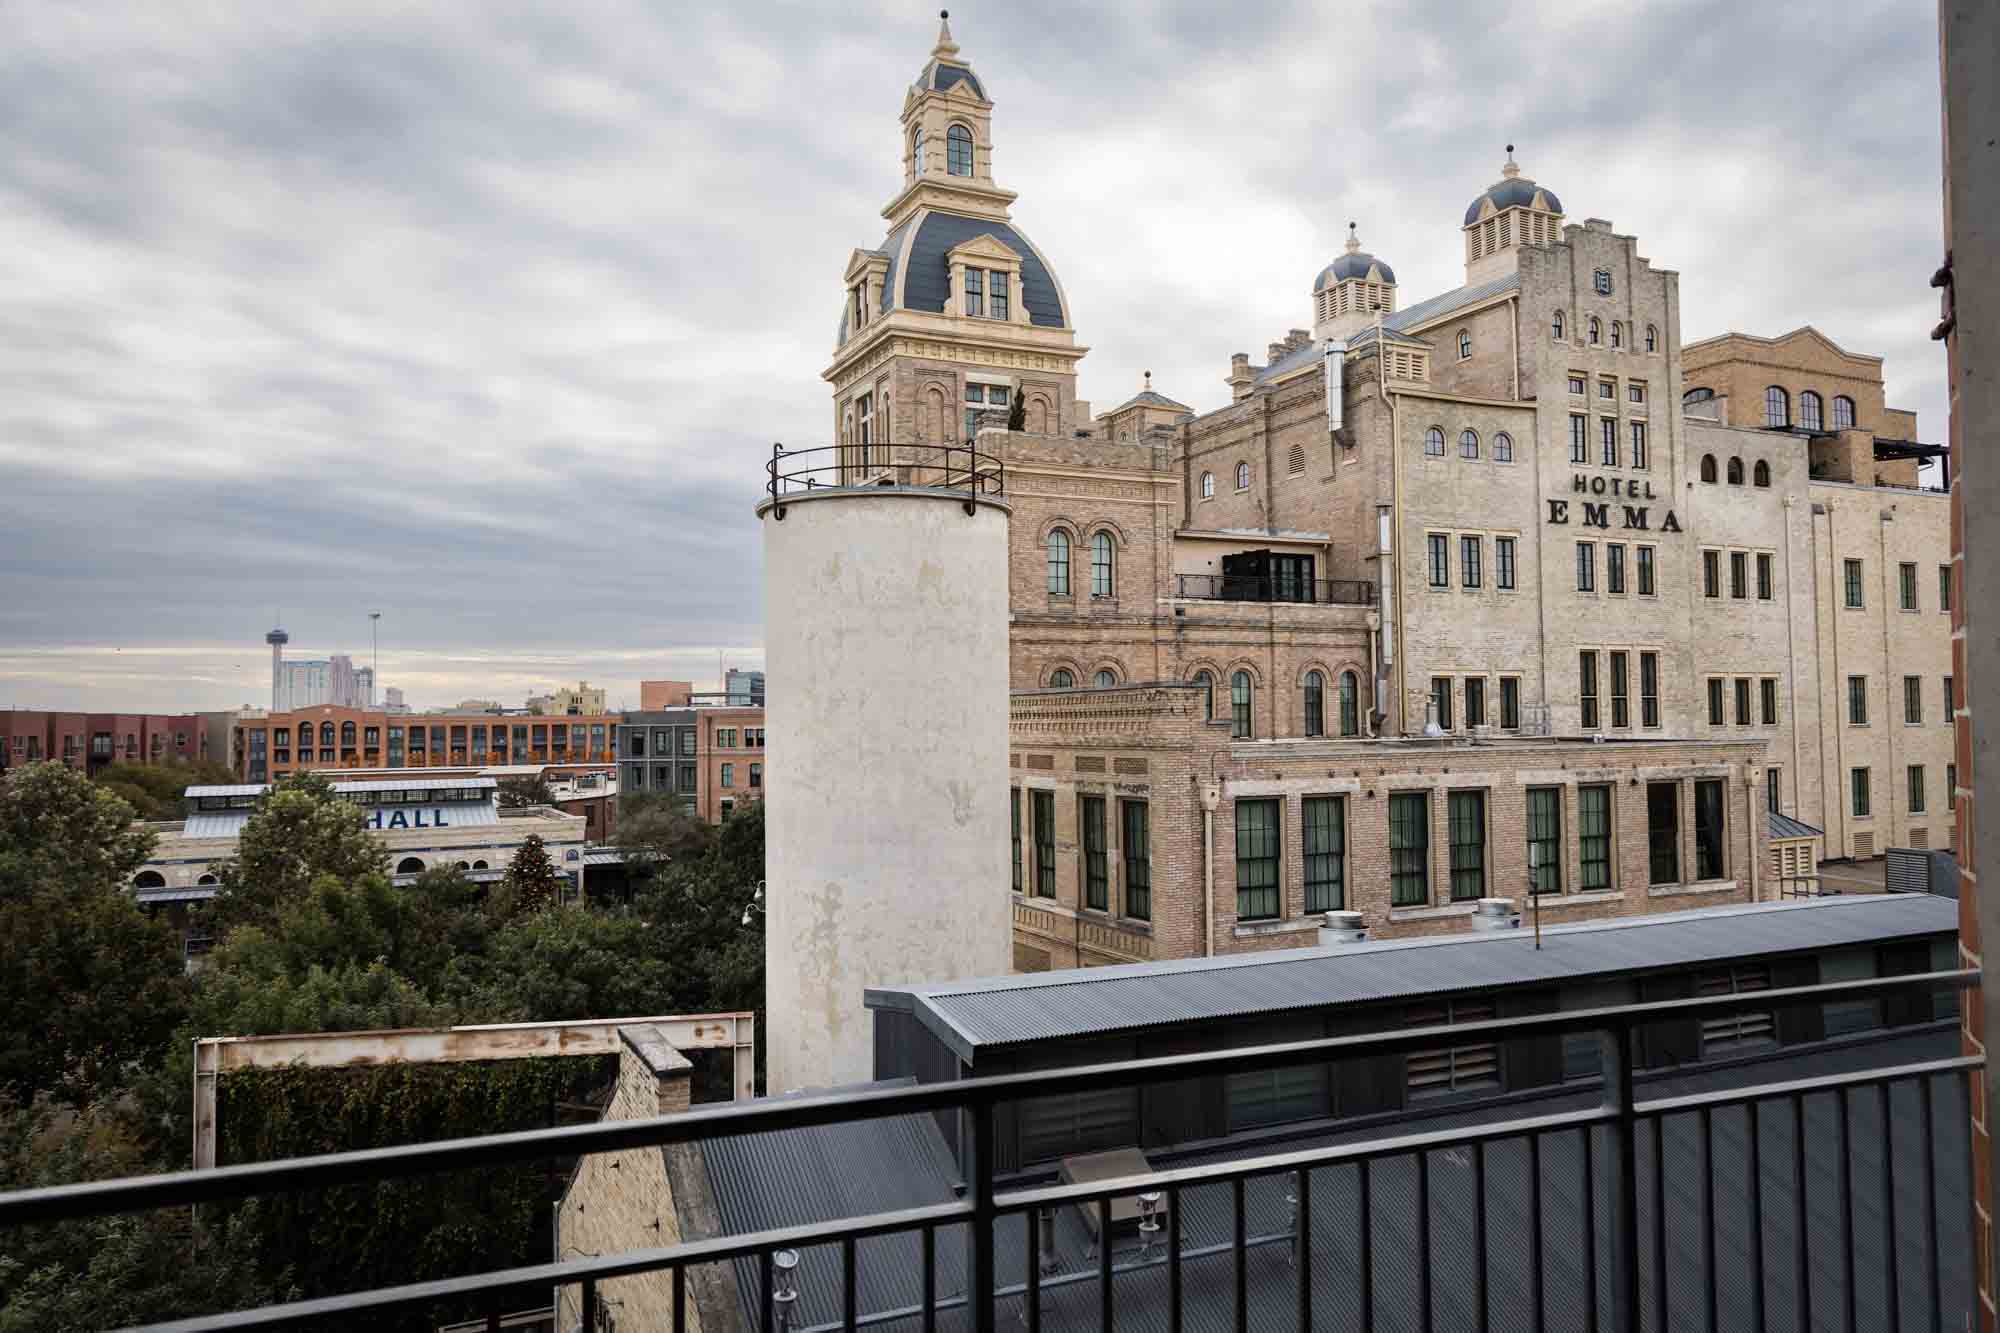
(277, 638)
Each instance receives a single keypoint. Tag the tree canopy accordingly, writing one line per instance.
(524, 791)
(155, 791)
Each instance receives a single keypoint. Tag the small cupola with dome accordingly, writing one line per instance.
(1349, 291)
(1512, 212)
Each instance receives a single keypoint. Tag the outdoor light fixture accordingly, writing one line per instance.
(1149, 1222)
(784, 1285)
(1292, 1214)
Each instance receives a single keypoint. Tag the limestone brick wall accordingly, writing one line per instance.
(1743, 365)
(1488, 372)
(620, 1201)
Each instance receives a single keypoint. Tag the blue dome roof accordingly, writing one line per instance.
(1516, 192)
(1353, 265)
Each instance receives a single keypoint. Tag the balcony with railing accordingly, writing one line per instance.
(1721, 1199)
(1253, 588)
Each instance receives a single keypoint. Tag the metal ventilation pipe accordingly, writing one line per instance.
(1493, 914)
(1341, 928)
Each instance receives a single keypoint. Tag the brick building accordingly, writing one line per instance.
(326, 738)
(94, 741)
(709, 758)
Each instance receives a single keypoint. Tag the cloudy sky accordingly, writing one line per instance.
(485, 315)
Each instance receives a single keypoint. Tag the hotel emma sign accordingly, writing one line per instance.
(1620, 494)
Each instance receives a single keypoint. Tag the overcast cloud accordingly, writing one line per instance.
(485, 315)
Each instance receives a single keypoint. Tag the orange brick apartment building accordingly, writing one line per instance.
(93, 741)
(326, 737)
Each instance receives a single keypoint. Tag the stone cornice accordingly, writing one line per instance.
(953, 194)
(1053, 353)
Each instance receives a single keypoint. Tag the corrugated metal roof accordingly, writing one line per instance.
(975, 1014)
(421, 784)
(1784, 826)
(200, 893)
(234, 789)
(215, 823)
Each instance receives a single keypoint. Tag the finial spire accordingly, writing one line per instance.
(1512, 169)
(1149, 381)
(946, 47)
(1353, 241)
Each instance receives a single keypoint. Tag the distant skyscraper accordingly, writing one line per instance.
(277, 638)
(745, 689)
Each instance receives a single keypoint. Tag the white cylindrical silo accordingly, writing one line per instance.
(886, 852)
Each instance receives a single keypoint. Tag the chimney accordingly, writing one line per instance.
(1275, 352)
(1240, 378)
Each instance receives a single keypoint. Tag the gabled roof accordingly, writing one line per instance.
(1806, 331)
(1151, 398)
(1437, 307)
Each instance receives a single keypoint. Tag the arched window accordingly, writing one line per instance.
(917, 152)
(1207, 485)
(1059, 563)
(1468, 444)
(326, 735)
(480, 865)
(1503, 448)
(1100, 565)
(464, 865)
(1434, 442)
(958, 151)
(1315, 704)
(1206, 683)
(1652, 339)
(1735, 472)
(410, 865)
(1596, 331)
(305, 735)
(1464, 344)
(1239, 705)
(1843, 412)
(1061, 679)
(1697, 396)
(1556, 326)
(1617, 333)
(149, 879)
(206, 880)
(1777, 407)
(1106, 679)
(1809, 410)
(1761, 474)
(1242, 476)
(347, 733)
(1708, 468)
(1350, 704)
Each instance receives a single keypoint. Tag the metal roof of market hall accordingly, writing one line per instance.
(973, 1015)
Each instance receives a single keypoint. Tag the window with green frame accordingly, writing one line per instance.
(1096, 875)
(1014, 804)
(1256, 860)
(1137, 858)
(1465, 814)
(1545, 839)
(1409, 849)
(1326, 853)
(1043, 805)
(1593, 827)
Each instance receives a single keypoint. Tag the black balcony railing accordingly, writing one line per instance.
(1248, 588)
(944, 467)
(1560, 1218)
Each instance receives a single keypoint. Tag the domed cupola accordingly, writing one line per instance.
(1350, 290)
(1512, 212)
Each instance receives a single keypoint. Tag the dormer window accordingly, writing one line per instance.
(958, 151)
(857, 305)
(975, 292)
(997, 286)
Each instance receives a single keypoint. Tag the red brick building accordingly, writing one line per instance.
(94, 741)
(326, 737)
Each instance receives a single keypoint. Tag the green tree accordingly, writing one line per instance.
(299, 831)
(90, 985)
(531, 883)
(518, 792)
(155, 791)
(573, 964)
(706, 914)
(655, 830)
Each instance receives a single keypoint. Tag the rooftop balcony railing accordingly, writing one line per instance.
(1244, 588)
(1809, 1203)
(793, 473)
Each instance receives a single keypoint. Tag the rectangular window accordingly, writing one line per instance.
(1043, 804)
(1607, 431)
(975, 292)
(1510, 703)
(1768, 689)
(1441, 700)
(1593, 829)
(725, 738)
(1857, 700)
(1468, 561)
(1951, 788)
(1913, 699)
(1014, 808)
(1647, 587)
(1607, 389)
(1137, 855)
(1859, 781)
(1466, 814)
(1649, 689)
(1773, 784)
(729, 775)
(1716, 716)
(1621, 702)
(1579, 438)
(999, 294)
(687, 779)
(1950, 699)
(1663, 832)
(1545, 840)
(1944, 589)
(687, 740)
(1576, 384)
(1475, 701)
(1711, 573)
(1503, 562)
(1639, 456)
(1256, 860)
(1440, 555)
(1326, 853)
(1739, 575)
(1852, 570)
(1409, 849)
(1764, 576)
(1586, 566)
(1906, 585)
(1635, 392)
(1742, 701)
(1586, 688)
(756, 775)
(1096, 876)
(1919, 797)
(1614, 567)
